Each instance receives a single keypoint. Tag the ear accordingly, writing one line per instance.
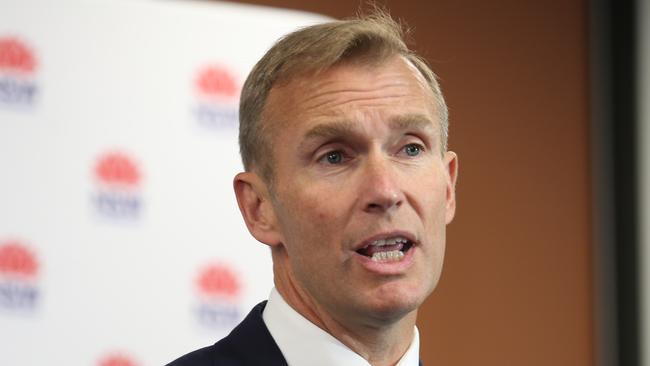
(451, 165)
(256, 208)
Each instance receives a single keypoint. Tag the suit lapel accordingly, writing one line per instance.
(252, 342)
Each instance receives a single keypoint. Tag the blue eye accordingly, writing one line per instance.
(334, 157)
(412, 149)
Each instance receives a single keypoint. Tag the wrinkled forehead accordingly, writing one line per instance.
(345, 82)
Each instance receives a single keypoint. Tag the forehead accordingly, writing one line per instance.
(347, 91)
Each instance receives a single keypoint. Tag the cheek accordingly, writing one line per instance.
(429, 195)
(305, 206)
(306, 217)
(317, 202)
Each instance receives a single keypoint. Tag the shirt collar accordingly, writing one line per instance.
(303, 343)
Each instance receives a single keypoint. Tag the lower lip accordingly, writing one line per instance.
(389, 267)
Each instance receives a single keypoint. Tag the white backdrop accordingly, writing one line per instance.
(120, 241)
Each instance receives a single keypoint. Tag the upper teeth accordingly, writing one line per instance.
(390, 241)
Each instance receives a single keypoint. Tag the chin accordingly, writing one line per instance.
(389, 313)
(396, 302)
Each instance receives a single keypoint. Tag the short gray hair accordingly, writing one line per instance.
(366, 39)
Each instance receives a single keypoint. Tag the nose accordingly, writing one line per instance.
(380, 191)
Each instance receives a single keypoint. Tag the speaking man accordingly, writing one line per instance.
(343, 136)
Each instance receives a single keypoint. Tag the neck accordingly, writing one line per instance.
(380, 347)
(382, 342)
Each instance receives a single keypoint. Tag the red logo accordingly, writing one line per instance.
(116, 168)
(218, 280)
(117, 360)
(17, 260)
(217, 82)
(15, 56)
(118, 177)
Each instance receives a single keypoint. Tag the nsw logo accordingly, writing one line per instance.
(219, 289)
(17, 73)
(18, 276)
(117, 359)
(217, 97)
(117, 180)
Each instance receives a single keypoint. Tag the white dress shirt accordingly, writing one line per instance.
(303, 343)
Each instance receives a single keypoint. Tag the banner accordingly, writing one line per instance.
(120, 238)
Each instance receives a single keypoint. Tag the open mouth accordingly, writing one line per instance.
(387, 250)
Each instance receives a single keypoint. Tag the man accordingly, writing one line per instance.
(343, 135)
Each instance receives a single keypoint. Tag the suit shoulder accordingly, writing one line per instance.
(202, 357)
(208, 356)
(249, 344)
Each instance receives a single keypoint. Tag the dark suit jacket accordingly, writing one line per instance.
(249, 344)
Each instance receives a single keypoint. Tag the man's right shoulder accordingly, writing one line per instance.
(209, 356)
(201, 356)
(249, 344)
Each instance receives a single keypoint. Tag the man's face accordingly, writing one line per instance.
(362, 193)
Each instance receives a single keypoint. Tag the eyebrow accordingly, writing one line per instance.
(336, 129)
(413, 121)
(330, 130)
